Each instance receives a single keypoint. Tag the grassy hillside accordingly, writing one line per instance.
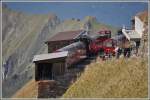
(111, 79)
(124, 78)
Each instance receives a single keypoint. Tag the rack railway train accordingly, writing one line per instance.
(47, 67)
(87, 47)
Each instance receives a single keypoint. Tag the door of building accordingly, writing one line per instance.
(45, 71)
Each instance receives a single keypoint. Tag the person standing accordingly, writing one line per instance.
(118, 51)
(127, 49)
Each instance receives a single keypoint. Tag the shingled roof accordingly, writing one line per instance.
(67, 35)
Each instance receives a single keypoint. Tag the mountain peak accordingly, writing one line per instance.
(90, 18)
(52, 16)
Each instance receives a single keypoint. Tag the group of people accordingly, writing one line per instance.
(125, 51)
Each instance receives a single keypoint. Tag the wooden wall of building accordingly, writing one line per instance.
(59, 68)
(48, 71)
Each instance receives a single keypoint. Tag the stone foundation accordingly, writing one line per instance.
(47, 89)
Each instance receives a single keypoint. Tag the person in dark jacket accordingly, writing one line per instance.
(127, 52)
(118, 52)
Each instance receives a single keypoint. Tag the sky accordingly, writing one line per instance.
(112, 13)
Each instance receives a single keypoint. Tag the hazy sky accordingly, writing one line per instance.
(113, 13)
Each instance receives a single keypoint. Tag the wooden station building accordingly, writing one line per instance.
(47, 66)
(62, 39)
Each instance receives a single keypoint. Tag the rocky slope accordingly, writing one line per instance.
(24, 36)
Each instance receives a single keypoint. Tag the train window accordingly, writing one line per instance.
(108, 43)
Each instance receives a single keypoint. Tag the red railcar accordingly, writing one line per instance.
(103, 43)
(105, 34)
(109, 46)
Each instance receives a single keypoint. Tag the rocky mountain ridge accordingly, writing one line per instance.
(23, 37)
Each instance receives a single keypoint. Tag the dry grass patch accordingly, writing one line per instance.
(123, 78)
(28, 91)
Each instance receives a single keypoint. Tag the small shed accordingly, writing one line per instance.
(47, 66)
(62, 39)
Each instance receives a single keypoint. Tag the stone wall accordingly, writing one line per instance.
(47, 89)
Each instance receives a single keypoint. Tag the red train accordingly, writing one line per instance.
(101, 43)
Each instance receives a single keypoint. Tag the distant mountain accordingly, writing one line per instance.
(24, 36)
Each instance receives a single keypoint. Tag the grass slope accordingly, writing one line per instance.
(28, 91)
(123, 78)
